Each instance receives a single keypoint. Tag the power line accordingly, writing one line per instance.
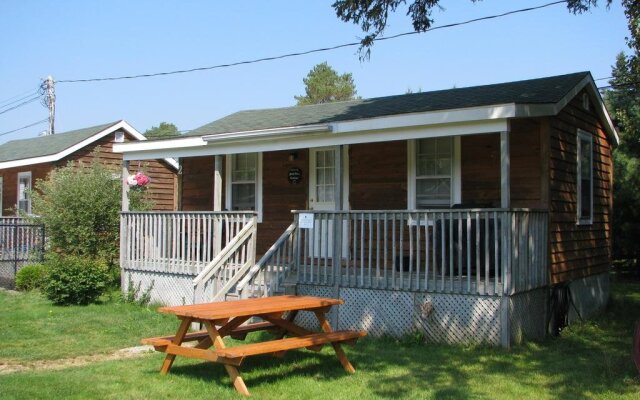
(25, 127)
(20, 99)
(24, 103)
(184, 71)
(25, 94)
(619, 85)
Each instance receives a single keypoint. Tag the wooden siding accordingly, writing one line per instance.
(197, 183)
(578, 250)
(279, 196)
(378, 176)
(480, 170)
(10, 184)
(161, 188)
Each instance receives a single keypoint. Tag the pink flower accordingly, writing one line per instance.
(141, 179)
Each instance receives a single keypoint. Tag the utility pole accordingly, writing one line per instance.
(48, 90)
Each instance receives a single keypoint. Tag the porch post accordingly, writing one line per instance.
(337, 227)
(505, 174)
(217, 204)
(505, 204)
(125, 185)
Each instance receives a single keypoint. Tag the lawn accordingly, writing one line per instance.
(590, 360)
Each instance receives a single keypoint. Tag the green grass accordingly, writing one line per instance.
(591, 360)
(31, 328)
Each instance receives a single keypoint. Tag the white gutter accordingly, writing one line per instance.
(266, 132)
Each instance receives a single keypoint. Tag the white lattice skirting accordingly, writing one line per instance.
(441, 318)
(167, 289)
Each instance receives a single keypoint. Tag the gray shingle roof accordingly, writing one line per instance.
(534, 91)
(47, 145)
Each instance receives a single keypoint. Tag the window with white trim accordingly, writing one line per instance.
(585, 177)
(434, 172)
(24, 186)
(244, 183)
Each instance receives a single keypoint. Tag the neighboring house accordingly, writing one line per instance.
(452, 212)
(24, 161)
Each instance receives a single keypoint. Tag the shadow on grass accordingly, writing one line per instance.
(592, 358)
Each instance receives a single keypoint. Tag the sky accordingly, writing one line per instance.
(78, 39)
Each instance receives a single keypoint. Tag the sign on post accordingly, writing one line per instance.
(305, 221)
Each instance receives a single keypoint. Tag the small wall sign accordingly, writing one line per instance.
(305, 220)
(295, 175)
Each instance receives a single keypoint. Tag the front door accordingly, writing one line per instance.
(323, 196)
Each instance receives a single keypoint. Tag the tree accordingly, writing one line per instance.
(372, 15)
(164, 130)
(624, 104)
(324, 85)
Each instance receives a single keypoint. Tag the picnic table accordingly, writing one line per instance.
(238, 318)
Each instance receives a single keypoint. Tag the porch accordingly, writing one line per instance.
(478, 257)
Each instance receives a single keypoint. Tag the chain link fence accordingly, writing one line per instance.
(21, 243)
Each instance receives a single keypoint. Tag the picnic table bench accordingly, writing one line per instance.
(232, 319)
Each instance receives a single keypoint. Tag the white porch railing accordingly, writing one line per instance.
(176, 242)
(469, 251)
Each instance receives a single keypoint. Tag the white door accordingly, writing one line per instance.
(323, 192)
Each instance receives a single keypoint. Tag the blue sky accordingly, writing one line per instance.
(86, 39)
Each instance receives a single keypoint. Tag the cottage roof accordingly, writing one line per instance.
(52, 148)
(47, 145)
(452, 112)
(549, 90)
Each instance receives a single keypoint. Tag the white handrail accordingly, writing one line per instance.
(226, 253)
(267, 256)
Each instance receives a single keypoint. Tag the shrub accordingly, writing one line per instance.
(80, 206)
(31, 277)
(135, 294)
(76, 280)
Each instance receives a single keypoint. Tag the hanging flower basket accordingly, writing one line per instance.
(138, 180)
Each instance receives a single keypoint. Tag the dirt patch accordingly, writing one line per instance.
(13, 366)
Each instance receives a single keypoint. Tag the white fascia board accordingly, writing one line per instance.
(540, 110)
(302, 141)
(159, 145)
(271, 133)
(464, 115)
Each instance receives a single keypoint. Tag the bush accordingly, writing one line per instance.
(80, 206)
(76, 280)
(32, 277)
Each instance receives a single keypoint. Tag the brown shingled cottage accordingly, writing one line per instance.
(470, 214)
(24, 161)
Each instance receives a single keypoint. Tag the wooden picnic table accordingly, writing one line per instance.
(232, 318)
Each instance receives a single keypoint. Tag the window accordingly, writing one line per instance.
(585, 101)
(434, 172)
(119, 137)
(1, 187)
(24, 185)
(244, 183)
(585, 177)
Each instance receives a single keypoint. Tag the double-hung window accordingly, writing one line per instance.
(585, 177)
(434, 167)
(244, 183)
(24, 186)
